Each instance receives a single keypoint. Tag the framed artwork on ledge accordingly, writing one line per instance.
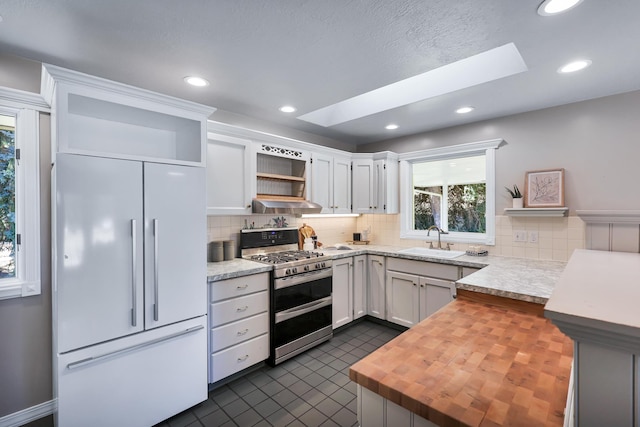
(544, 189)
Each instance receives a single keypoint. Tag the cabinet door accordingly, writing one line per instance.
(342, 302)
(379, 186)
(359, 286)
(322, 182)
(98, 287)
(362, 194)
(175, 243)
(231, 172)
(376, 295)
(435, 294)
(402, 298)
(342, 185)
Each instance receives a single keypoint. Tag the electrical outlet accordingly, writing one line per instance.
(519, 236)
(533, 237)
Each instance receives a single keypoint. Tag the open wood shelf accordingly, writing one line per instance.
(279, 177)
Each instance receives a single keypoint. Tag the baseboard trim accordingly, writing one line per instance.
(27, 415)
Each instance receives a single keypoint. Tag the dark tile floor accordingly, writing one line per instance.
(312, 389)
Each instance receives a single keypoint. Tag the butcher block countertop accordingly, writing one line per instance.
(475, 364)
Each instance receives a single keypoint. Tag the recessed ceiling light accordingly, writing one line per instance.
(391, 127)
(553, 7)
(196, 81)
(574, 66)
(465, 110)
(287, 109)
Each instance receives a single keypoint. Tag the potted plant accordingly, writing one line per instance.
(517, 196)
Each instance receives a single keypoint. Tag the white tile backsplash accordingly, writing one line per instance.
(557, 237)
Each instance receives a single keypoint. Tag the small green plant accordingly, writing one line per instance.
(515, 193)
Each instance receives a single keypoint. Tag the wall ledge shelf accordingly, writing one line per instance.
(546, 212)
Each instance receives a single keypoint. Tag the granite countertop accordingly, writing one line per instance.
(236, 267)
(474, 364)
(516, 278)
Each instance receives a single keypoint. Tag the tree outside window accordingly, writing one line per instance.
(7, 197)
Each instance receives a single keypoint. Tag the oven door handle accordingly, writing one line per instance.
(284, 282)
(281, 316)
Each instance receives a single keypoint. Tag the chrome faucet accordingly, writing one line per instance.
(440, 231)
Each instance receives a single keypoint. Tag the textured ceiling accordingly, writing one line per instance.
(261, 55)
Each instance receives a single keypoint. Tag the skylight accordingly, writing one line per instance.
(484, 67)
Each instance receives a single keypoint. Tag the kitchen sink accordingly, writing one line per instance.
(435, 253)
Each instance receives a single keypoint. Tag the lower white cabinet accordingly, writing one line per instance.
(411, 296)
(349, 300)
(342, 294)
(359, 286)
(376, 295)
(376, 411)
(238, 324)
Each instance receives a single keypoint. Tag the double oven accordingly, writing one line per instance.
(300, 292)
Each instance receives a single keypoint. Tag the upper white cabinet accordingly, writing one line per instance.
(331, 182)
(362, 192)
(231, 171)
(375, 184)
(101, 118)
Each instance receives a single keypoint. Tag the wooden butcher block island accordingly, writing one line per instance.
(474, 363)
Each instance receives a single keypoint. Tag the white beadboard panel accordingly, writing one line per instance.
(625, 238)
(599, 237)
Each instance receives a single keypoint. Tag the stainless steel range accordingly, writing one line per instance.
(300, 294)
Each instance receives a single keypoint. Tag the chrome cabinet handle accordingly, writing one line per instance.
(239, 309)
(240, 333)
(243, 358)
(156, 266)
(241, 287)
(134, 268)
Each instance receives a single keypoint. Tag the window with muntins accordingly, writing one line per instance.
(19, 200)
(451, 188)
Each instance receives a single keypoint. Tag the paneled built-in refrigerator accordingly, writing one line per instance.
(129, 290)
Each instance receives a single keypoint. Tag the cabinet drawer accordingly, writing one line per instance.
(238, 308)
(238, 286)
(239, 357)
(237, 332)
(423, 268)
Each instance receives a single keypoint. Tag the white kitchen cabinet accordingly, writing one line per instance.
(231, 171)
(376, 411)
(376, 294)
(331, 183)
(402, 298)
(342, 294)
(412, 296)
(375, 184)
(362, 184)
(359, 286)
(101, 118)
(238, 324)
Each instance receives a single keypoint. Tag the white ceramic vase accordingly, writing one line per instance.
(518, 203)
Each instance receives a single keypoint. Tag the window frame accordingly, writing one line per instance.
(25, 107)
(486, 148)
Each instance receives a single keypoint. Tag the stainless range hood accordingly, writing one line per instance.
(291, 207)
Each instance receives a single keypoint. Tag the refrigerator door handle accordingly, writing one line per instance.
(91, 360)
(155, 270)
(134, 269)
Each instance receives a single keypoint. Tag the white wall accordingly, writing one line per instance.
(595, 141)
